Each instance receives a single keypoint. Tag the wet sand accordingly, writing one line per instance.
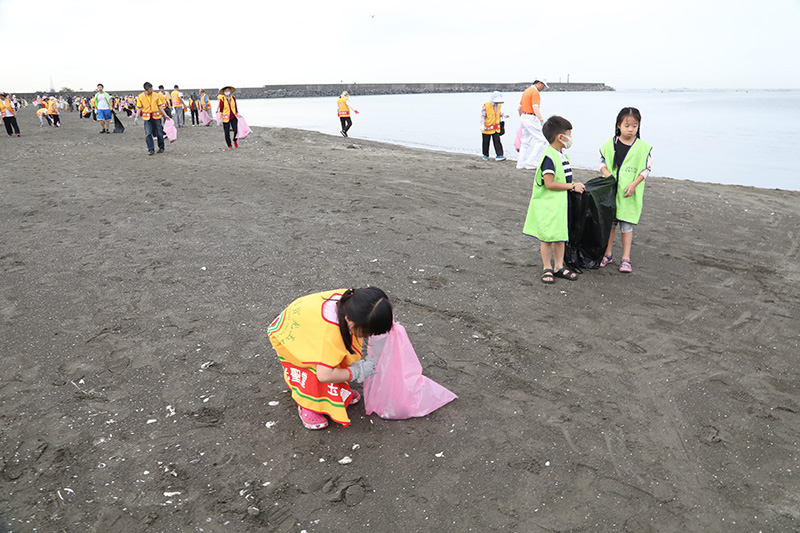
(138, 387)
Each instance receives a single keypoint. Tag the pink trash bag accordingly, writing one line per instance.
(518, 140)
(242, 129)
(170, 131)
(204, 117)
(399, 390)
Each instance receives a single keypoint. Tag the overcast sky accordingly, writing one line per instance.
(198, 43)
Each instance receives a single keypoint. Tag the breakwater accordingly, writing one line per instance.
(363, 89)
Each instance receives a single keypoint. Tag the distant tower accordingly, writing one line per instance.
(52, 87)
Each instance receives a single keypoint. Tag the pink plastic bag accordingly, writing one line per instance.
(518, 140)
(204, 117)
(242, 129)
(219, 119)
(399, 390)
(170, 131)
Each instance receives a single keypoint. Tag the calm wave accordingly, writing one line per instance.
(732, 137)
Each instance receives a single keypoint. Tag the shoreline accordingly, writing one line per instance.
(138, 375)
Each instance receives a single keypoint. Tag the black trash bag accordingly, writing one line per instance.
(118, 126)
(591, 217)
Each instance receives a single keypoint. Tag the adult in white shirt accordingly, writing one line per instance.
(102, 103)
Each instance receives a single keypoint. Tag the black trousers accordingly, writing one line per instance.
(498, 146)
(56, 120)
(234, 123)
(195, 117)
(346, 123)
(11, 123)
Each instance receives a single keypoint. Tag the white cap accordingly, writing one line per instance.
(543, 80)
(497, 98)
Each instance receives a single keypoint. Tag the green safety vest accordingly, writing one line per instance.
(547, 211)
(628, 209)
(105, 95)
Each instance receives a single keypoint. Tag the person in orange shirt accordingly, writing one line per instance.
(52, 112)
(150, 106)
(531, 120)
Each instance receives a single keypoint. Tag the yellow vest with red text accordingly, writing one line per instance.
(228, 108)
(492, 123)
(52, 108)
(176, 99)
(344, 110)
(149, 105)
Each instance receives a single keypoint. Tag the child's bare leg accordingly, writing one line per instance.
(546, 249)
(558, 253)
(611, 240)
(627, 240)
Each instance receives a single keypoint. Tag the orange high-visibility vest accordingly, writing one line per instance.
(149, 105)
(6, 104)
(228, 107)
(344, 110)
(492, 122)
(176, 99)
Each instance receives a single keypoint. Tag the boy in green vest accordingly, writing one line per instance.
(547, 211)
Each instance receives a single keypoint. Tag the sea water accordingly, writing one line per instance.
(732, 137)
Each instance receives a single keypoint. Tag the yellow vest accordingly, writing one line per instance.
(166, 98)
(52, 107)
(176, 99)
(492, 123)
(149, 105)
(344, 110)
(228, 107)
(6, 103)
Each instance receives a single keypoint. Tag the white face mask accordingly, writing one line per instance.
(227, 93)
(568, 144)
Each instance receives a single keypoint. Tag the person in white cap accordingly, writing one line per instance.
(491, 116)
(345, 106)
(533, 141)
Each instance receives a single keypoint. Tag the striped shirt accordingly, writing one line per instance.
(549, 167)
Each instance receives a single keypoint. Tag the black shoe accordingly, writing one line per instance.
(102, 131)
(151, 152)
(160, 150)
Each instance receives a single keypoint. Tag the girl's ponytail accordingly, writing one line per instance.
(369, 310)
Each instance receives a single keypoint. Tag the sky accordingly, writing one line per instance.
(697, 44)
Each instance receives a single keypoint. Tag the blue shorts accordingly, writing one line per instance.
(103, 114)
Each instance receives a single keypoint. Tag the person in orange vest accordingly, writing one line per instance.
(151, 106)
(205, 103)
(229, 112)
(177, 106)
(9, 114)
(491, 116)
(52, 111)
(345, 106)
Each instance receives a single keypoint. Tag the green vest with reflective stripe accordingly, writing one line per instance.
(628, 209)
(547, 211)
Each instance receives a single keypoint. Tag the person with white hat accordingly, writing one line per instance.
(531, 120)
(491, 117)
(344, 105)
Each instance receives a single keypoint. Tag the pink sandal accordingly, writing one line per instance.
(607, 260)
(356, 397)
(625, 266)
(312, 420)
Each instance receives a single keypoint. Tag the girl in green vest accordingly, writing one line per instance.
(547, 211)
(626, 157)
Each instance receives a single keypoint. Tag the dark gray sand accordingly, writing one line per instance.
(139, 392)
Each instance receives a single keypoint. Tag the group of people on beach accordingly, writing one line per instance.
(542, 148)
(319, 338)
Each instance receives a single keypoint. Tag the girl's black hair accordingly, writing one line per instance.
(370, 311)
(628, 111)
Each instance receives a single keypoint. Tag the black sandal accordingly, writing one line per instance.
(548, 273)
(566, 273)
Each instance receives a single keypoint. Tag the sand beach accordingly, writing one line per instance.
(139, 393)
